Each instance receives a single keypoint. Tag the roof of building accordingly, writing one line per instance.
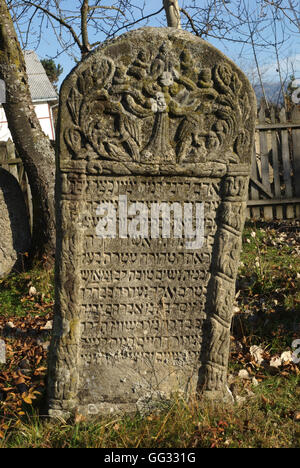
(41, 88)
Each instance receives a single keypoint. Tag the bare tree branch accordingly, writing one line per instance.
(60, 20)
(107, 8)
(242, 22)
(134, 23)
(192, 24)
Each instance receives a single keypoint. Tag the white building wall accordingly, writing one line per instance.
(44, 115)
(4, 132)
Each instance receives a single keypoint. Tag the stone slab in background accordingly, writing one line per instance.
(154, 116)
(14, 225)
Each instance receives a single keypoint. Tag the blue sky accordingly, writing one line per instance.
(289, 56)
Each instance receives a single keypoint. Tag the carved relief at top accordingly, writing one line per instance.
(162, 107)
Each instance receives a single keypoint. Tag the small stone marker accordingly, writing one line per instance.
(155, 139)
(14, 224)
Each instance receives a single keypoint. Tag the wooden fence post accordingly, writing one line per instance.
(264, 157)
(276, 168)
(287, 170)
(296, 155)
(254, 193)
(12, 164)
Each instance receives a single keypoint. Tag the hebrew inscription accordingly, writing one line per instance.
(155, 140)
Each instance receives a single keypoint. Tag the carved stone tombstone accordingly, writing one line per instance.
(155, 140)
(15, 236)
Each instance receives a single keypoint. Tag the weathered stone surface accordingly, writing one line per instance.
(155, 116)
(14, 224)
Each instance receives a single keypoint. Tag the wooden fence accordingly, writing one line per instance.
(13, 164)
(274, 191)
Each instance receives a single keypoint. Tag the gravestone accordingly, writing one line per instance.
(155, 139)
(14, 224)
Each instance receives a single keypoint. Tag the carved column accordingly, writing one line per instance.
(221, 290)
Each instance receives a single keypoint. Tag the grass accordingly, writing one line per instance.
(266, 409)
(269, 284)
(15, 300)
(265, 422)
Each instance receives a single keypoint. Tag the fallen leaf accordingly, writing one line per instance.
(27, 399)
(79, 418)
(257, 354)
(276, 362)
(265, 400)
(286, 356)
(40, 371)
(19, 381)
(297, 416)
(244, 374)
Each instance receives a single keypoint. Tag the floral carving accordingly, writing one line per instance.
(164, 107)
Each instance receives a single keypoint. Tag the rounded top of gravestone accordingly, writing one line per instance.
(157, 97)
(14, 224)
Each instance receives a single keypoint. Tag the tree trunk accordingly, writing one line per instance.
(173, 13)
(32, 145)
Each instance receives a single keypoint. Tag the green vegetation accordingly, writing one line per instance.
(15, 297)
(266, 411)
(53, 71)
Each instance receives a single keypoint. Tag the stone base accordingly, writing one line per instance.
(144, 405)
